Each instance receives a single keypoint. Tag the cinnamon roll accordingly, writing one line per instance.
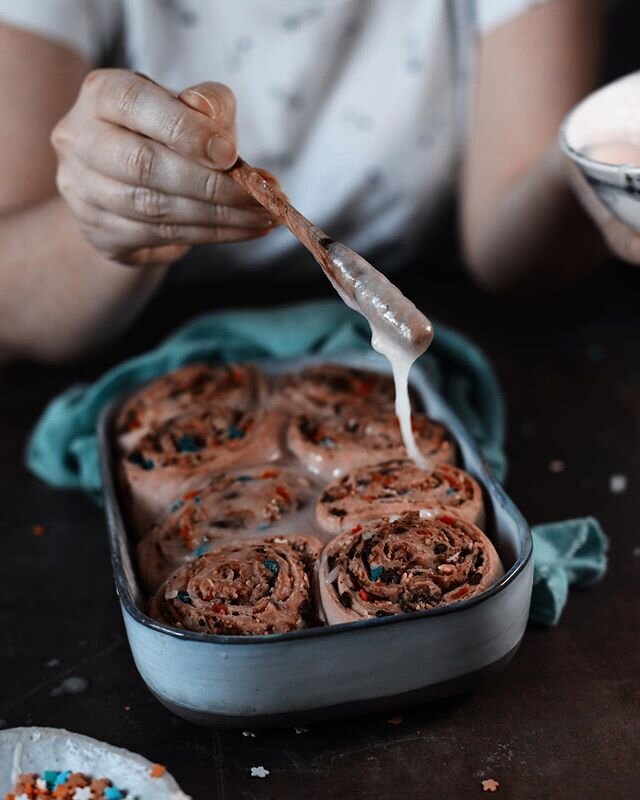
(333, 446)
(183, 452)
(231, 506)
(192, 386)
(328, 387)
(404, 563)
(249, 588)
(394, 487)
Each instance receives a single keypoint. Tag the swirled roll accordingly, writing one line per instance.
(402, 564)
(332, 446)
(231, 506)
(183, 452)
(254, 587)
(328, 387)
(394, 487)
(190, 387)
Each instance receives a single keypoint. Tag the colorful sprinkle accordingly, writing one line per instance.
(363, 595)
(139, 460)
(113, 793)
(38, 530)
(272, 566)
(190, 444)
(245, 478)
(200, 550)
(259, 772)
(235, 433)
(184, 598)
(190, 495)
(177, 505)
(157, 771)
(376, 573)
(450, 491)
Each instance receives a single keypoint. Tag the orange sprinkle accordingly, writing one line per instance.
(363, 595)
(219, 608)
(190, 495)
(462, 591)
(283, 492)
(356, 529)
(38, 530)
(157, 771)
(447, 519)
(398, 719)
(270, 473)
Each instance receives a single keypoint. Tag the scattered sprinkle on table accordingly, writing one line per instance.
(259, 772)
(636, 552)
(618, 484)
(38, 530)
(557, 466)
(301, 730)
(157, 771)
(489, 785)
(53, 662)
(397, 719)
(249, 734)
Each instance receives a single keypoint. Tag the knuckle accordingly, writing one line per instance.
(92, 81)
(211, 185)
(148, 202)
(167, 231)
(176, 127)
(127, 97)
(141, 162)
(223, 214)
(60, 135)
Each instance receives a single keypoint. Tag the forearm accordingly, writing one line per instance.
(58, 297)
(534, 238)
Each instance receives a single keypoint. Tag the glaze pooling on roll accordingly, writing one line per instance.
(332, 446)
(185, 389)
(404, 563)
(254, 587)
(328, 387)
(179, 454)
(228, 508)
(394, 487)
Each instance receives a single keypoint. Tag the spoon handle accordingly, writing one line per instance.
(262, 190)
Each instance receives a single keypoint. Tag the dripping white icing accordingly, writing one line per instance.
(615, 152)
(399, 331)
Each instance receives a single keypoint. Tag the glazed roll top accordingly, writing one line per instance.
(404, 563)
(229, 507)
(328, 387)
(394, 487)
(182, 452)
(191, 387)
(254, 587)
(332, 446)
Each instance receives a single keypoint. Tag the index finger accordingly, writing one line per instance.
(142, 106)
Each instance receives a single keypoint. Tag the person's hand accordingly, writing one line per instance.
(621, 240)
(143, 173)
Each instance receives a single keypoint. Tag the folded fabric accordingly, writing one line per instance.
(63, 449)
(570, 553)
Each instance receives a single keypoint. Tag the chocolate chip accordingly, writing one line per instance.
(475, 578)
(440, 548)
(345, 599)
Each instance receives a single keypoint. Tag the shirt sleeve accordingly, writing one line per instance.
(87, 26)
(492, 13)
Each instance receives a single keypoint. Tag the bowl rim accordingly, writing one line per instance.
(116, 522)
(579, 157)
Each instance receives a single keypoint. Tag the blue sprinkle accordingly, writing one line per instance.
(245, 478)
(177, 505)
(63, 777)
(184, 598)
(264, 527)
(197, 500)
(376, 573)
(272, 565)
(451, 491)
(200, 550)
(189, 444)
(235, 433)
(51, 776)
(113, 793)
(137, 458)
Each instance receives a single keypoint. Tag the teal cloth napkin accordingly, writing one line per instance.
(63, 450)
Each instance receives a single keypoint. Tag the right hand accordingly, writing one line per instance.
(143, 173)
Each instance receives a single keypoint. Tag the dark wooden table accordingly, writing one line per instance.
(563, 721)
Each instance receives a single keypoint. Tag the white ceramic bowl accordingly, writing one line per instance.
(608, 116)
(318, 673)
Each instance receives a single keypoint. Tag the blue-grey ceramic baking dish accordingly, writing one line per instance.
(327, 672)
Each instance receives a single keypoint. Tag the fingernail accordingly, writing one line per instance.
(222, 152)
